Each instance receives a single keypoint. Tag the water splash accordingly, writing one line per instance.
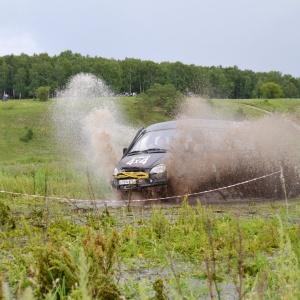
(83, 86)
(89, 126)
(256, 148)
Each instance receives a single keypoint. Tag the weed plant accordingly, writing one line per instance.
(54, 250)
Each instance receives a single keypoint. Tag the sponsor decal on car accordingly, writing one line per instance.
(139, 160)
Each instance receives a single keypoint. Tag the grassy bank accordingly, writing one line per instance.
(25, 130)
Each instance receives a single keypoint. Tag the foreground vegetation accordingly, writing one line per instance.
(52, 249)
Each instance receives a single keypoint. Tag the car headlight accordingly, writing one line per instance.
(116, 171)
(158, 169)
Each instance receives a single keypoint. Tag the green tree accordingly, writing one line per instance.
(4, 71)
(221, 87)
(63, 68)
(233, 75)
(274, 76)
(199, 83)
(271, 90)
(20, 83)
(165, 97)
(21, 75)
(290, 90)
(150, 71)
(243, 82)
(131, 74)
(297, 84)
(9, 72)
(42, 93)
(178, 76)
(82, 64)
(109, 70)
(41, 73)
(289, 87)
(250, 81)
(20, 68)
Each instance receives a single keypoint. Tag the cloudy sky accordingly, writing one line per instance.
(259, 35)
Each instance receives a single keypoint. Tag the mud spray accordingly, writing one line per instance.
(91, 129)
(249, 150)
(89, 126)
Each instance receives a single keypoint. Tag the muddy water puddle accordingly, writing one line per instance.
(189, 276)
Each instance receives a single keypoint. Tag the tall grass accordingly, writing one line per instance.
(189, 251)
(52, 179)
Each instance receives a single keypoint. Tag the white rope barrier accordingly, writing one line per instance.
(65, 199)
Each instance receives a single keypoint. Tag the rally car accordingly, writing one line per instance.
(144, 162)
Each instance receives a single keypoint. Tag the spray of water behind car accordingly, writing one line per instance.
(90, 127)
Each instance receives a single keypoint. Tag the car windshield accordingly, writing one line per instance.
(154, 140)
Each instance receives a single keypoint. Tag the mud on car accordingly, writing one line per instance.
(144, 163)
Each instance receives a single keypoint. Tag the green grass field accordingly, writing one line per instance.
(17, 117)
(53, 250)
(254, 108)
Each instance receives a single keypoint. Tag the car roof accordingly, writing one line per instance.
(192, 123)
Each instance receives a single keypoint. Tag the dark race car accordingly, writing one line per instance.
(145, 162)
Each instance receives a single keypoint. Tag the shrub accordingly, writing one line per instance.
(6, 216)
(42, 93)
(101, 251)
(55, 268)
(271, 90)
(162, 97)
(28, 136)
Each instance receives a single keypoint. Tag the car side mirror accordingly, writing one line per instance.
(124, 150)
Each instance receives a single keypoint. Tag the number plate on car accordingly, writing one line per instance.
(127, 181)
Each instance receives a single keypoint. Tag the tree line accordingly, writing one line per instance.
(21, 76)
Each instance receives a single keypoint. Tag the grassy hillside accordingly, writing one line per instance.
(256, 108)
(137, 116)
(20, 117)
(25, 130)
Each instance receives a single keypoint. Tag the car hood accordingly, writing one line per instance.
(141, 161)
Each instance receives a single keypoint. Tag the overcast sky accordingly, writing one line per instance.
(259, 35)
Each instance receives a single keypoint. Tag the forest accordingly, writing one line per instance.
(21, 75)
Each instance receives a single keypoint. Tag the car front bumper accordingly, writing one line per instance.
(139, 183)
